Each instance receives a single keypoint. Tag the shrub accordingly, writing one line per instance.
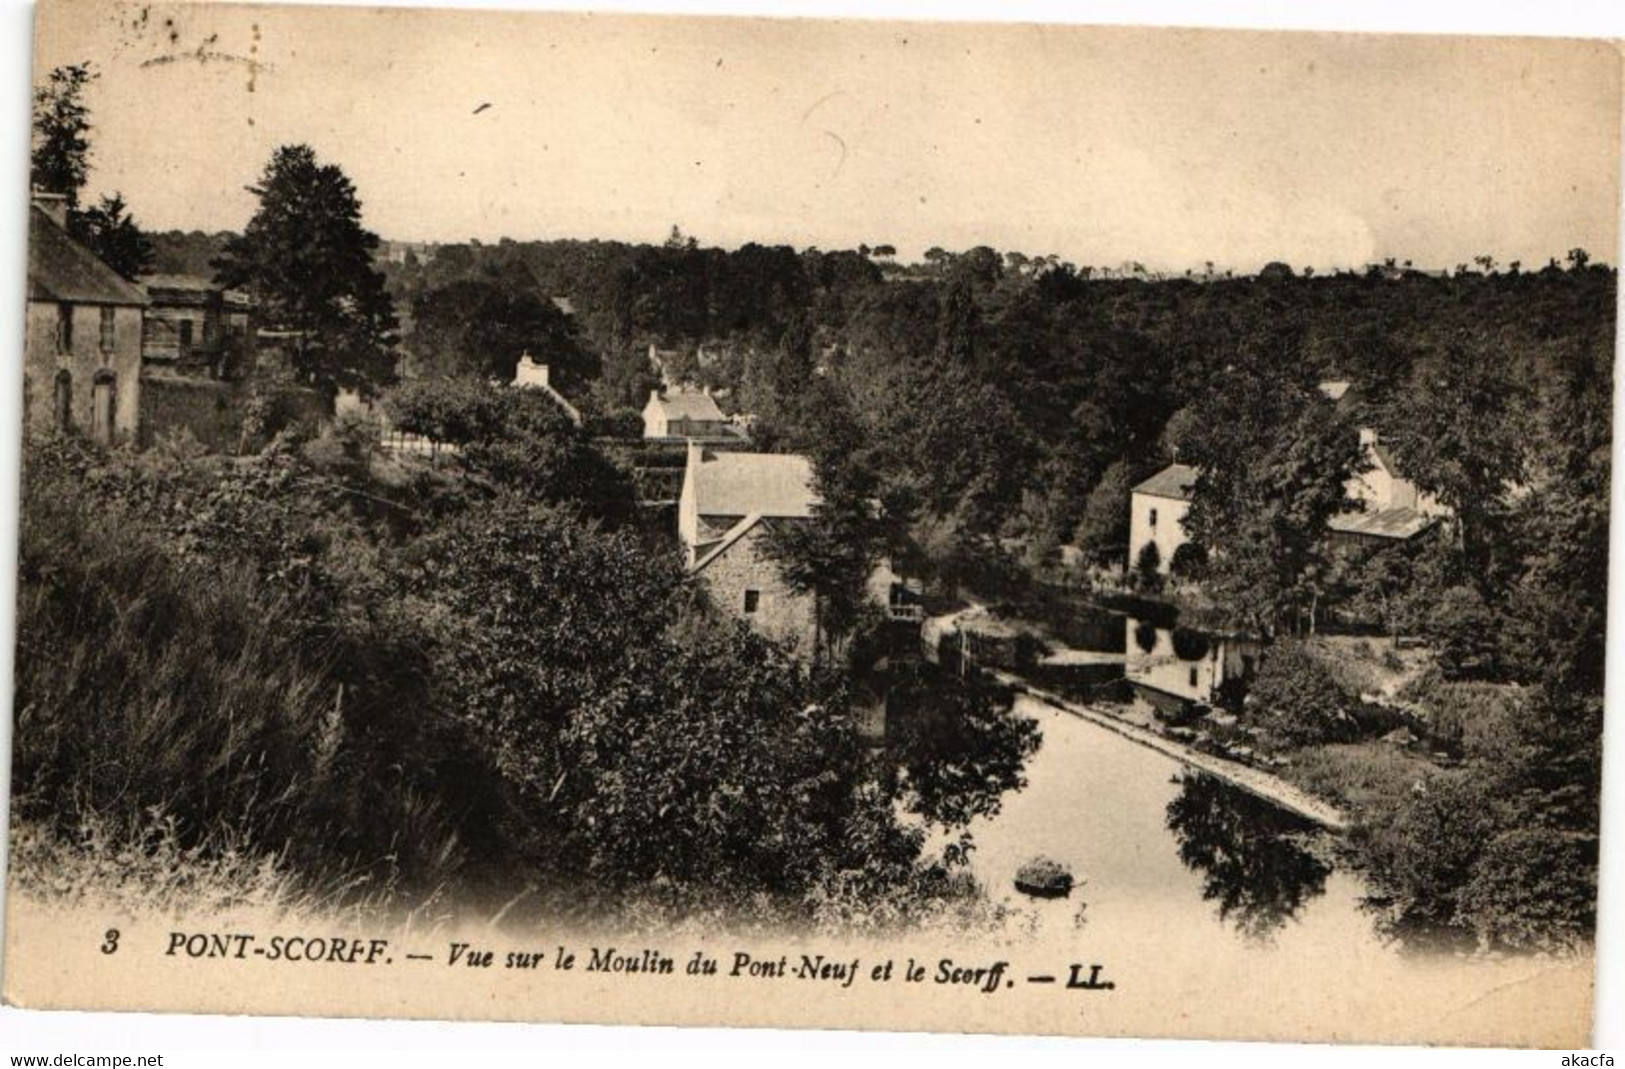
(1147, 565)
(1295, 697)
(1189, 562)
(1463, 629)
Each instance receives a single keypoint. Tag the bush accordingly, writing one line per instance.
(1505, 848)
(1189, 562)
(1147, 565)
(1463, 629)
(1296, 698)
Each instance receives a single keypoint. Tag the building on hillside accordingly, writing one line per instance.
(82, 350)
(1157, 509)
(687, 414)
(1392, 508)
(530, 375)
(721, 489)
(728, 508)
(192, 322)
(1395, 509)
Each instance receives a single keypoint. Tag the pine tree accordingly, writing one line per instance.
(307, 261)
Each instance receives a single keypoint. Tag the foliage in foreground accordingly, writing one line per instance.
(406, 691)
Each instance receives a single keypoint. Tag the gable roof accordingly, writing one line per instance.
(61, 269)
(1173, 482)
(689, 404)
(742, 484)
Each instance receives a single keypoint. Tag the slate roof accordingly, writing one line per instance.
(1173, 482)
(763, 484)
(1395, 523)
(61, 269)
(690, 404)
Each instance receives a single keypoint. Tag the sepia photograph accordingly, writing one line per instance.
(812, 523)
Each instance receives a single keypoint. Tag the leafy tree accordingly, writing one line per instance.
(1462, 441)
(1462, 630)
(514, 440)
(1189, 561)
(60, 163)
(1103, 531)
(832, 555)
(482, 327)
(110, 232)
(307, 261)
(60, 158)
(1296, 697)
(1273, 458)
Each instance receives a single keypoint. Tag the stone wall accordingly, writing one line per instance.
(780, 613)
(213, 411)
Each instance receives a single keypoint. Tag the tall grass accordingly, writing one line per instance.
(157, 692)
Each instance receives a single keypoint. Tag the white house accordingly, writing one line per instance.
(1156, 509)
(1394, 508)
(691, 414)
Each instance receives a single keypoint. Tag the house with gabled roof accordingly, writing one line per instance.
(721, 489)
(1157, 509)
(730, 505)
(192, 320)
(82, 350)
(687, 414)
(1392, 508)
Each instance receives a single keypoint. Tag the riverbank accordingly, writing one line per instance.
(1258, 783)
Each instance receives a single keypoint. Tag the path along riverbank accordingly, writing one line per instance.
(1270, 788)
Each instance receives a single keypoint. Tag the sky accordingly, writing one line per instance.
(1100, 145)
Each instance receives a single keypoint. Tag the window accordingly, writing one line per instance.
(1153, 517)
(63, 398)
(185, 328)
(102, 406)
(64, 327)
(753, 600)
(109, 329)
(1193, 675)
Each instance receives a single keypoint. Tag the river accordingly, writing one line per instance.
(1147, 838)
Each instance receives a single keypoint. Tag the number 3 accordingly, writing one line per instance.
(110, 941)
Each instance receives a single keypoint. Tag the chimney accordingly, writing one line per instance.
(654, 397)
(1368, 437)
(529, 372)
(53, 204)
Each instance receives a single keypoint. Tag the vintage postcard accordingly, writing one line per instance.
(813, 523)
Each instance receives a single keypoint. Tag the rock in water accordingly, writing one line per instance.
(1044, 878)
